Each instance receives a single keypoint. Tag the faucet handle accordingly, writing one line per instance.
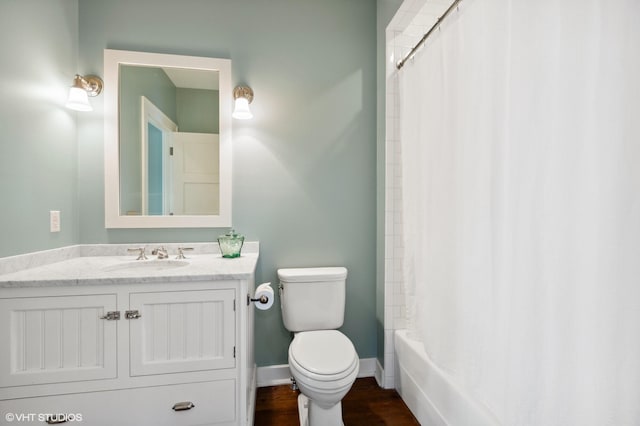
(181, 251)
(141, 254)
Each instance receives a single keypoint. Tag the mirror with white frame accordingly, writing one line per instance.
(167, 140)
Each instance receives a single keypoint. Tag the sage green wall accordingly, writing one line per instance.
(38, 156)
(198, 110)
(304, 168)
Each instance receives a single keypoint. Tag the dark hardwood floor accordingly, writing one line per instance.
(365, 404)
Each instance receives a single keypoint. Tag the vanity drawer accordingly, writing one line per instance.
(213, 404)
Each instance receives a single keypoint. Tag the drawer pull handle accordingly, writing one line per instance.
(55, 420)
(182, 406)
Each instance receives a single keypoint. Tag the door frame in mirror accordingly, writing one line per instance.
(113, 218)
(152, 115)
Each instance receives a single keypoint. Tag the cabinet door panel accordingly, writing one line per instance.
(182, 331)
(56, 339)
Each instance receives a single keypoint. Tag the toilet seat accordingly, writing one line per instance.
(323, 355)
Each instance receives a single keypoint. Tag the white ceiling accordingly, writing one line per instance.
(193, 78)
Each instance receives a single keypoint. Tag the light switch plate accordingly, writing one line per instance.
(54, 221)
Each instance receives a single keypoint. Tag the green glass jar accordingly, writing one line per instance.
(231, 244)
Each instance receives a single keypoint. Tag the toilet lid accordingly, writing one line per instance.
(325, 352)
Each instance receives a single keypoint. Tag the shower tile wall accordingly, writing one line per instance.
(413, 19)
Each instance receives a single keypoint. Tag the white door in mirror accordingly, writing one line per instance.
(196, 174)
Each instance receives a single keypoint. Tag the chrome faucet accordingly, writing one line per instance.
(161, 252)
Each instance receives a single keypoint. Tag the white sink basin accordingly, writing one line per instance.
(146, 266)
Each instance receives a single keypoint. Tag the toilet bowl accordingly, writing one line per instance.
(322, 360)
(324, 364)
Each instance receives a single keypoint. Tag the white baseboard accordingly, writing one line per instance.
(379, 374)
(274, 375)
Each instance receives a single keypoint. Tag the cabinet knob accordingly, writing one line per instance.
(132, 314)
(55, 420)
(111, 316)
(182, 406)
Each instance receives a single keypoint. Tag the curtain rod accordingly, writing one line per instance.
(424, 38)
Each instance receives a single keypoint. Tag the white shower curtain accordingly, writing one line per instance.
(520, 130)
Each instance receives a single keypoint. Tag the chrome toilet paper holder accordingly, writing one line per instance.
(262, 299)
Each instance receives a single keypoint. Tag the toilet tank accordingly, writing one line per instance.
(312, 298)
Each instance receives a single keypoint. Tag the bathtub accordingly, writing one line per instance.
(428, 392)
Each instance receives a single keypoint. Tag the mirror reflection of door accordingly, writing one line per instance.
(156, 170)
(180, 170)
(157, 130)
(195, 174)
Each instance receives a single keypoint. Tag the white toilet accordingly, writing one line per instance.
(322, 360)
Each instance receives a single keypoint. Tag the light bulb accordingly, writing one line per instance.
(78, 100)
(242, 111)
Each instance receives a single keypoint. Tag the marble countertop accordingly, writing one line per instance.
(112, 264)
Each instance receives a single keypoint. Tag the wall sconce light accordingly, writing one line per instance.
(82, 88)
(243, 96)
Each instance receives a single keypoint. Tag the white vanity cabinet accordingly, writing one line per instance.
(178, 353)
